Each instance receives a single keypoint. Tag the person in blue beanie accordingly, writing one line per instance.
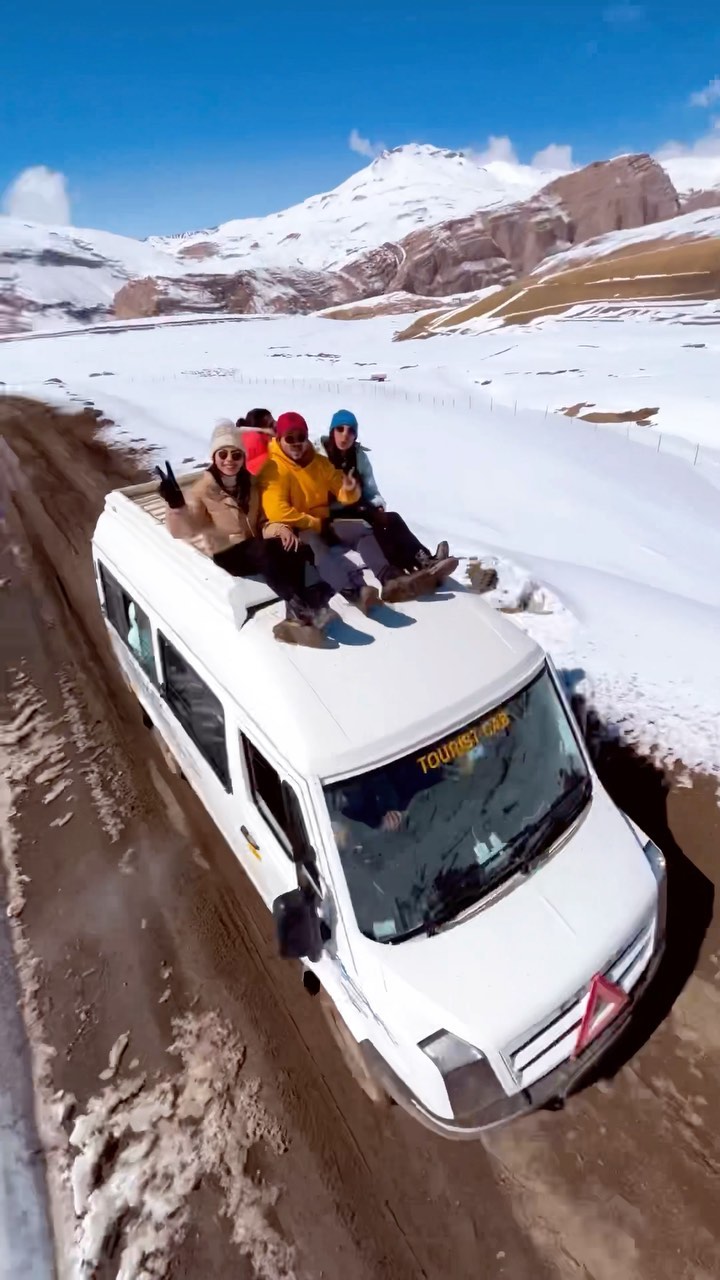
(396, 540)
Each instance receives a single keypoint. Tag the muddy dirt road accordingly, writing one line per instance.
(228, 1138)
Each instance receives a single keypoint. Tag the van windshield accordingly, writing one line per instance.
(424, 838)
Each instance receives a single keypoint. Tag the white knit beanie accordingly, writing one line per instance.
(225, 435)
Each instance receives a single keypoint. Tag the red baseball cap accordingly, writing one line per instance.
(290, 422)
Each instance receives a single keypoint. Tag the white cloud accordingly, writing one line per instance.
(38, 194)
(363, 146)
(707, 96)
(496, 149)
(556, 155)
(707, 145)
(623, 15)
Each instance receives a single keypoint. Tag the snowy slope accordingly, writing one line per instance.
(66, 272)
(624, 540)
(404, 189)
(702, 224)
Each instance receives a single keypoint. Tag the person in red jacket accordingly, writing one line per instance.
(258, 429)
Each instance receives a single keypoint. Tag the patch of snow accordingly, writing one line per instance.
(141, 1149)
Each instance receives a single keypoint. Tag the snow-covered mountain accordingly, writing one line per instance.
(50, 276)
(401, 191)
(418, 220)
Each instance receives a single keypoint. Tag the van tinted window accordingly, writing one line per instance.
(266, 787)
(129, 620)
(199, 711)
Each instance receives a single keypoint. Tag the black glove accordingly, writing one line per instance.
(169, 489)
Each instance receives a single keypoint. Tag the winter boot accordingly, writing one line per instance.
(426, 560)
(323, 617)
(364, 598)
(299, 626)
(293, 631)
(408, 586)
(442, 564)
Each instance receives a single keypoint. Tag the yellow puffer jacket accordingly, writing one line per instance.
(299, 496)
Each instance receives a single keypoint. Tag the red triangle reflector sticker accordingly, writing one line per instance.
(605, 1000)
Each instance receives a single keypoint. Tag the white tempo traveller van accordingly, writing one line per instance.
(416, 806)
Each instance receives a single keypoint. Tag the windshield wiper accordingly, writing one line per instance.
(538, 836)
(466, 888)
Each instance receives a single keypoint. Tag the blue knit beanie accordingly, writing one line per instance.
(344, 418)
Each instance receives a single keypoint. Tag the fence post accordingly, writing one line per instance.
(515, 410)
(697, 450)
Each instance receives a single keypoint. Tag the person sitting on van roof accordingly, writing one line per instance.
(298, 484)
(224, 506)
(258, 429)
(396, 540)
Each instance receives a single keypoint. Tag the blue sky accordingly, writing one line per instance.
(170, 116)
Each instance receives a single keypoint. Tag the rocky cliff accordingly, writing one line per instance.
(458, 256)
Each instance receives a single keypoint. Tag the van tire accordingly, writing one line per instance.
(352, 1055)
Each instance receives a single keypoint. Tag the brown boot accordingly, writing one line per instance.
(445, 569)
(366, 599)
(291, 631)
(408, 586)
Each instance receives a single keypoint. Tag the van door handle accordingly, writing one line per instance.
(250, 839)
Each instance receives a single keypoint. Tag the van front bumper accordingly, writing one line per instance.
(551, 1088)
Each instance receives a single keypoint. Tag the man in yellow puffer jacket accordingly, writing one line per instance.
(297, 485)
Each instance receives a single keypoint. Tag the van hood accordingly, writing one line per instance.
(492, 976)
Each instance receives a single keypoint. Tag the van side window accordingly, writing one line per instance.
(266, 788)
(129, 620)
(197, 708)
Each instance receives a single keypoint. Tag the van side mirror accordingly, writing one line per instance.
(297, 924)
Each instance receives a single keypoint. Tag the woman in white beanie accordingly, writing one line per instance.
(223, 506)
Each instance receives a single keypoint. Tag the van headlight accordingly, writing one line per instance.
(469, 1079)
(656, 858)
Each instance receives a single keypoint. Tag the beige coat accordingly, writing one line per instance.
(213, 514)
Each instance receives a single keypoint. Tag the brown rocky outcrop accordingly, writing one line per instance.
(493, 248)
(137, 300)
(459, 256)
(695, 200)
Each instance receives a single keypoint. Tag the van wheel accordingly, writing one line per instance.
(352, 1056)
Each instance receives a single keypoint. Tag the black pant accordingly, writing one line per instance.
(397, 542)
(283, 570)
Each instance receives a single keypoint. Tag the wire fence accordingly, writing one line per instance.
(691, 451)
(457, 400)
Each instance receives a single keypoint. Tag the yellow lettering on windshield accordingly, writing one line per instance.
(465, 742)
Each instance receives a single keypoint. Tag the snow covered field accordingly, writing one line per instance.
(623, 541)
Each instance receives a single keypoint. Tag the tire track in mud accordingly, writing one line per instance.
(622, 1186)
(165, 908)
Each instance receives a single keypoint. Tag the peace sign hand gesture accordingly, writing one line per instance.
(351, 484)
(169, 489)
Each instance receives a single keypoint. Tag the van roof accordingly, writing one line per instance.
(389, 683)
